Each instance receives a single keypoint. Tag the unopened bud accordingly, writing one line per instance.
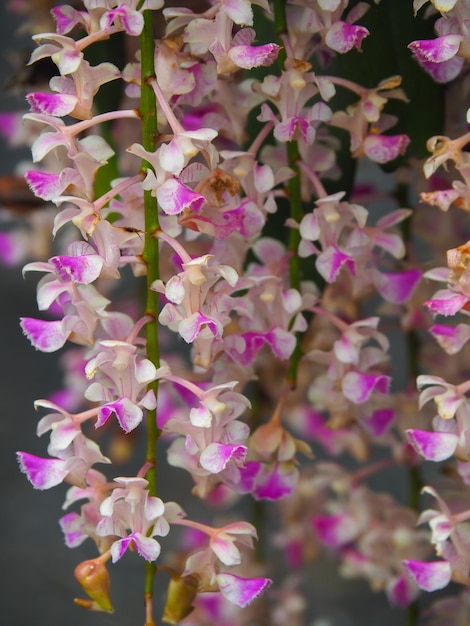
(179, 599)
(94, 579)
(267, 438)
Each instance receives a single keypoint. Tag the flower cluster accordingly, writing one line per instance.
(449, 401)
(270, 283)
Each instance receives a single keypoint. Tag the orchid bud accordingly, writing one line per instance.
(179, 601)
(267, 438)
(94, 578)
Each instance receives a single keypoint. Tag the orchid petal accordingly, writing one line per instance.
(385, 148)
(215, 457)
(44, 335)
(433, 446)
(358, 386)
(248, 57)
(241, 591)
(436, 50)
(128, 414)
(342, 37)
(451, 339)
(429, 576)
(335, 530)
(42, 473)
(173, 198)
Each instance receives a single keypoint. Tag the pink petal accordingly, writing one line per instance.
(335, 530)
(45, 336)
(44, 144)
(11, 251)
(441, 527)
(345, 350)
(379, 422)
(451, 338)
(248, 474)
(285, 131)
(449, 303)
(68, 61)
(282, 342)
(309, 227)
(147, 547)
(391, 243)
(66, 18)
(330, 262)
(42, 473)
(80, 269)
(385, 148)
(119, 548)
(401, 591)
(62, 435)
(128, 414)
(263, 178)
(200, 416)
(241, 591)
(132, 21)
(244, 352)
(72, 527)
(226, 551)
(239, 11)
(266, 115)
(393, 218)
(274, 481)
(44, 185)
(397, 287)
(358, 386)
(55, 104)
(96, 147)
(443, 72)
(433, 446)
(429, 576)
(9, 124)
(174, 290)
(190, 327)
(295, 127)
(436, 50)
(439, 274)
(215, 457)
(171, 157)
(342, 36)
(173, 197)
(248, 57)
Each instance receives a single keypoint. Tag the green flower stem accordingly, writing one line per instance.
(148, 112)
(295, 202)
(293, 190)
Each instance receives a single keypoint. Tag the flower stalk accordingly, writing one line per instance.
(293, 190)
(148, 113)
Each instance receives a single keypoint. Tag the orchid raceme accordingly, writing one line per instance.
(217, 279)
